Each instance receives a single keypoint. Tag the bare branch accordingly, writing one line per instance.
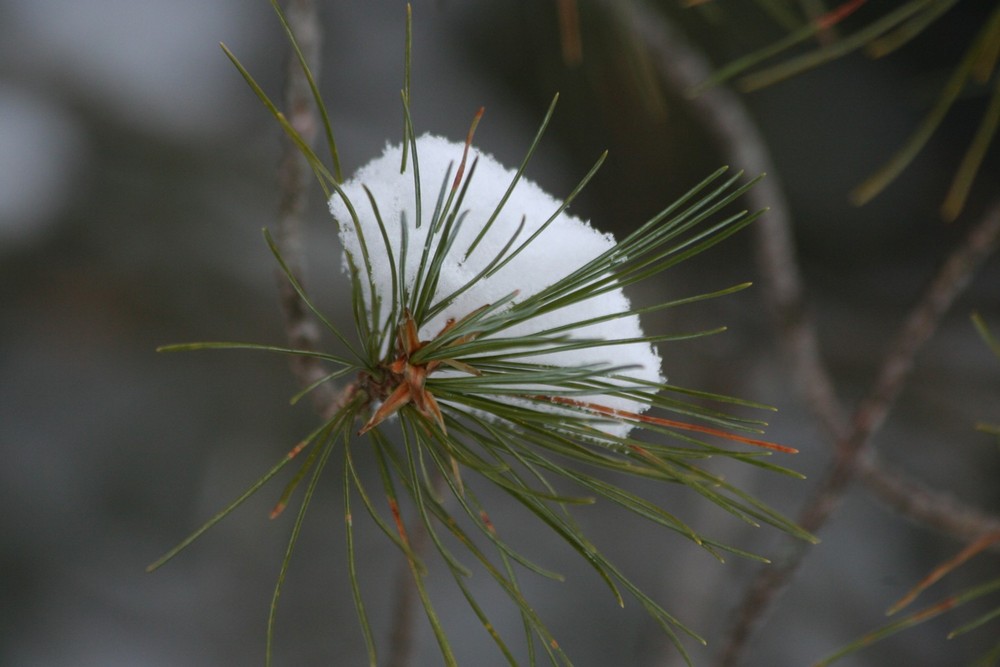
(926, 506)
(923, 320)
(918, 327)
(404, 618)
(683, 67)
(294, 177)
(724, 114)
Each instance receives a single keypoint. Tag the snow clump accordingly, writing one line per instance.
(563, 247)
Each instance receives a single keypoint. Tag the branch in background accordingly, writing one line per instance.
(923, 320)
(926, 507)
(294, 180)
(683, 68)
(295, 177)
(920, 324)
(569, 32)
(907, 496)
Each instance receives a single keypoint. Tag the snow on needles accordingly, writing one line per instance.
(563, 247)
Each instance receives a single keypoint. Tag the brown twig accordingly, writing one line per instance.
(294, 177)
(917, 328)
(927, 507)
(683, 67)
(569, 32)
(724, 114)
(404, 618)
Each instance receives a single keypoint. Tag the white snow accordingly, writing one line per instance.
(563, 247)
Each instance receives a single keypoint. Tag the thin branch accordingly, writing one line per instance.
(404, 612)
(922, 322)
(569, 32)
(404, 618)
(683, 68)
(925, 506)
(918, 327)
(294, 178)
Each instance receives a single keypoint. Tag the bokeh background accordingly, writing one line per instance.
(136, 172)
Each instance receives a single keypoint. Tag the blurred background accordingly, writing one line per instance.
(136, 173)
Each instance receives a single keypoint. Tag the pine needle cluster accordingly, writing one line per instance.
(505, 393)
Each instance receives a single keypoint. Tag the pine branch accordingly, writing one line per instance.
(501, 391)
(295, 177)
(918, 327)
(294, 180)
(404, 618)
(924, 505)
(683, 68)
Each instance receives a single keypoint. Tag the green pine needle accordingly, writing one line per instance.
(473, 406)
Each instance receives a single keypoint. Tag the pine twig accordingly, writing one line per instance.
(739, 137)
(917, 329)
(404, 614)
(294, 179)
(683, 67)
(928, 507)
(512, 444)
